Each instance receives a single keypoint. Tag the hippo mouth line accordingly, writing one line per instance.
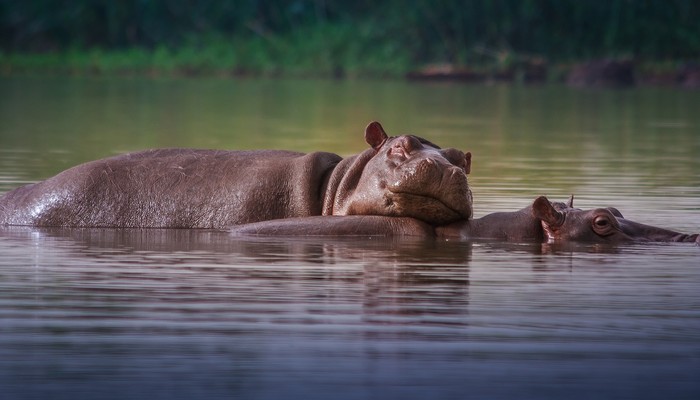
(428, 206)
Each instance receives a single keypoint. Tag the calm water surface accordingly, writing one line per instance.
(112, 314)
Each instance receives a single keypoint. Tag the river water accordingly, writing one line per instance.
(150, 313)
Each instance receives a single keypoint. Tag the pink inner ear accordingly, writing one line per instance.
(543, 210)
(548, 232)
(375, 135)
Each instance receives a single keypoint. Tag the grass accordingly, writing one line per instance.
(327, 51)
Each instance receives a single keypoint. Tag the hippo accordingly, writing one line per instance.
(542, 221)
(402, 176)
(563, 222)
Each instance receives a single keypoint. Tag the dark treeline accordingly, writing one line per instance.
(421, 31)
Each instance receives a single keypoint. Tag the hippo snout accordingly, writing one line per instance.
(441, 188)
(694, 238)
(685, 238)
(430, 175)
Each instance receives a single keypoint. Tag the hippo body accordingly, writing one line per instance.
(543, 221)
(192, 188)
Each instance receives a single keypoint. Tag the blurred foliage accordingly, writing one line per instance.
(340, 36)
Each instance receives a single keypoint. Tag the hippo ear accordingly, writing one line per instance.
(543, 210)
(467, 163)
(570, 202)
(375, 135)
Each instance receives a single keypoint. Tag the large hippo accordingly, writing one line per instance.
(403, 176)
(541, 221)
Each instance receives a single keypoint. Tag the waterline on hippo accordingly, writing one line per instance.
(194, 188)
(542, 221)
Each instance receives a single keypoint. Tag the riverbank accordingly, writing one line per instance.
(616, 42)
(254, 59)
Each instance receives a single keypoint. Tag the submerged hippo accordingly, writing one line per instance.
(404, 176)
(563, 222)
(541, 221)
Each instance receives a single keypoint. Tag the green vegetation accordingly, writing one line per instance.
(336, 37)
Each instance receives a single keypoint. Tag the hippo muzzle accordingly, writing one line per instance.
(432, 186)
(635, 231)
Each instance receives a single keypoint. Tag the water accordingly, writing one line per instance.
(111, 314)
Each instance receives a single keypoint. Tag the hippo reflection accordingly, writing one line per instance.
(541, 221)
(403, 176)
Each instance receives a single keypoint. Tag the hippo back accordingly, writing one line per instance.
(175, 188)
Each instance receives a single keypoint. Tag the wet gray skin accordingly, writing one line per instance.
(541, 221)
(403, 176)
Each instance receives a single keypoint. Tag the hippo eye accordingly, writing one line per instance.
(601, 222)
(602, 225)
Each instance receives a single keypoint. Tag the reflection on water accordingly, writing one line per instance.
(113, 314)
(100, 313)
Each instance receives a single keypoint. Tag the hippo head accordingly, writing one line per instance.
(406, 176)
(563, 222)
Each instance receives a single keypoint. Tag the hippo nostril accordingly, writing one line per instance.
(428, 166)
(687, 238)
